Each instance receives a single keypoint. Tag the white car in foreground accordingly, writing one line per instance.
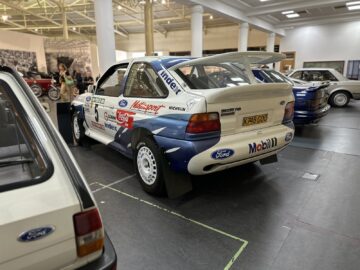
(196, 116)
(48, 216)
(340, 90)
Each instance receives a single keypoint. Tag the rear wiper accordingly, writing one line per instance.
(14, 162)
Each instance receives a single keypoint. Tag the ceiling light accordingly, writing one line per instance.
(119, 7)
(5, 17)
(211, 17)
(287, 12)
(356, 7)
(142, 2)
(353, 3)
(264, 0)
(36, 29)
(74, 28)
(293, 15)
(163, 2)
(168, 22)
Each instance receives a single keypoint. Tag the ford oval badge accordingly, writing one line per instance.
(88, 99)
(36, 234)
(222, 153)
(123, 103)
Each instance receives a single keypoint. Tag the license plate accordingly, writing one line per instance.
(255, 120)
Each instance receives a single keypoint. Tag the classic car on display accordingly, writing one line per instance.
(49, 218)
(340, 90)
(197, 116)
(310, 99)
(41, 86)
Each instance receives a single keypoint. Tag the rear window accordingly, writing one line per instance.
(274, 76)
(23, 161)
(214, 76)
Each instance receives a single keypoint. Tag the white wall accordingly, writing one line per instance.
(24, 42)
(214, 38)
(332, 42)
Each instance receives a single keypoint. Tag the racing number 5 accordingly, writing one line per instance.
(96, 113)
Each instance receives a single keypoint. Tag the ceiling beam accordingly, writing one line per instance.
(235, 15)
(300, 5)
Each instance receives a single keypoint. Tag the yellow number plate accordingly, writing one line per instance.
(255, 120)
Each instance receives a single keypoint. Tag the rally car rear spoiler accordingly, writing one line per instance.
(251, 58)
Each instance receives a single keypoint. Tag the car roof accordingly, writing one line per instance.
(166, 61)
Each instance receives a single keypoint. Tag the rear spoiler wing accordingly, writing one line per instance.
(250, 58)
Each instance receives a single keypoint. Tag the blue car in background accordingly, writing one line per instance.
(310, 99)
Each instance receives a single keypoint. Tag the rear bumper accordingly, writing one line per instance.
(107, 261)
(309, 117)
(245, 148)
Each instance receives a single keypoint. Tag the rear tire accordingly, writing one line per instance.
(339, 99)
(78, 129)
(37, 90)
(147, 162)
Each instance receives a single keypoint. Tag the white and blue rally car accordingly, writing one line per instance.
(194, 116)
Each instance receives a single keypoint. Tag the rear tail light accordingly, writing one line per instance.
(203, 123)
(89, 232)
(289, 112)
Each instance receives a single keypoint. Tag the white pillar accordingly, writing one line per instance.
(243, 37)
(270, 42)
(197, 31)
(105, 34)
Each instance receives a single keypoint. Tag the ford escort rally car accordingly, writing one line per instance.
(198, 116)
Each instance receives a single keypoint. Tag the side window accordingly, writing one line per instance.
(111, 87)
(144, 82)
(297, 75)
(328, 76)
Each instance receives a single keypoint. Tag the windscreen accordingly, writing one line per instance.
(210, 76)
(21, 159)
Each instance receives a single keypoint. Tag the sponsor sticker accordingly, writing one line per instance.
(145, 107)
(170, 81)
(123, 103)
(230, 111)
(124, 118)
(263, 145)
(111, 126)
(98, 100)
(109, 117)
(97, 125)
(175, 108)
(222, 154)
(88, 99)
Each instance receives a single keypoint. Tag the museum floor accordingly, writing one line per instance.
(279, 216)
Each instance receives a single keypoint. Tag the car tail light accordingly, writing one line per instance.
(89, 232)
(289, 112)
(203, 122)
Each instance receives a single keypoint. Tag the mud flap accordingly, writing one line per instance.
(269, 160)
(177, 184)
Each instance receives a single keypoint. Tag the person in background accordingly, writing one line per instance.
(78, 80)
(66, 83)
(88, 80)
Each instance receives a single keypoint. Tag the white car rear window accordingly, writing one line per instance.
(22, 159)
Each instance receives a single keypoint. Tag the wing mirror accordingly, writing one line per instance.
(91, 89)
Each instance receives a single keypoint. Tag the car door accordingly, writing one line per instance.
(113, 87)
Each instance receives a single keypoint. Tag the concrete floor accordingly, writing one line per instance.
(251, 217)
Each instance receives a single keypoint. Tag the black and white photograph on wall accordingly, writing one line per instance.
(22, 61)
(75, 54)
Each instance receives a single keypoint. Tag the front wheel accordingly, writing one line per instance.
(339, 99)
(147, 161)
(54, 93)
(37, 90)
(78, 129)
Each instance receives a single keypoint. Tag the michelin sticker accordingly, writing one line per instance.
(123, 103)
(170, 81)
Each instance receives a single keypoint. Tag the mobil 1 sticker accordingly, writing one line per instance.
(169, 81)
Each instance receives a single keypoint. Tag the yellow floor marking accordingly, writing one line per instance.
(232, 260)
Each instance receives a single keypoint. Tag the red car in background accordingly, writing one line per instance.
(41, 86)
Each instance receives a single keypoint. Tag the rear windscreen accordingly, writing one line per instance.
(22, 159)
(210, 76)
